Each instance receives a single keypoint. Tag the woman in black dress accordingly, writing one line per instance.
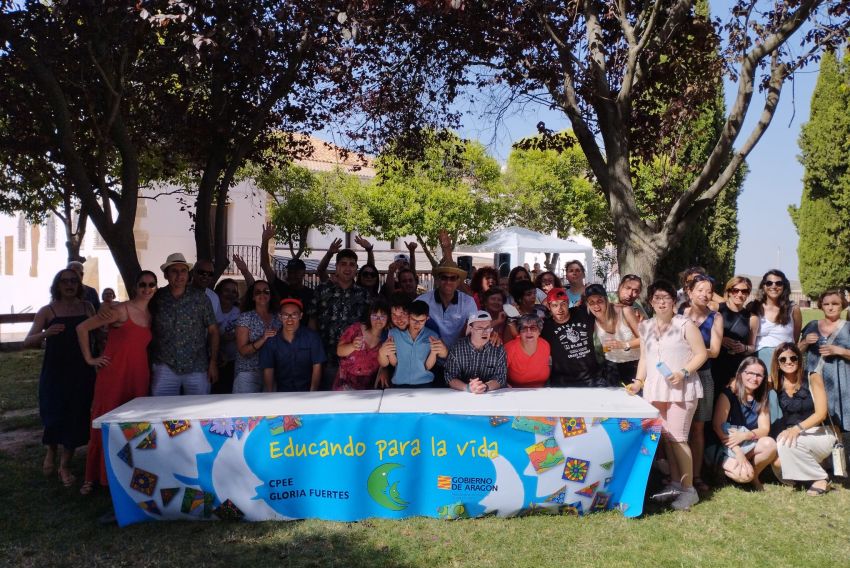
(66, 384)
(740, 328)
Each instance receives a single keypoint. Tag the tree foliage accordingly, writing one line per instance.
(824, 211)
(455, 186)
(629, 75)
(551, 190)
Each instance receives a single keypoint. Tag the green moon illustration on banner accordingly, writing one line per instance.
(378, 486)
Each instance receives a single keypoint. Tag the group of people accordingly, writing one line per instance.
(697, 356)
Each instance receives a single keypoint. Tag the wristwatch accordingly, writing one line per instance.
(685, 373)
(627, 347)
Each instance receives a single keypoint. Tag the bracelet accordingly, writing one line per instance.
(467, 387)
(800, 428)
(486, 387)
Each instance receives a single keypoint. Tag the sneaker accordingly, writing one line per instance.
(687, 498)
(667, 494)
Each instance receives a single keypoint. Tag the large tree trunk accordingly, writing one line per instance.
(635, 258)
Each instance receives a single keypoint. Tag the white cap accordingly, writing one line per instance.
(480, 315)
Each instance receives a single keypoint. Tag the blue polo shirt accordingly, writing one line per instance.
(451, 320)
(411, 357)
(293, 362)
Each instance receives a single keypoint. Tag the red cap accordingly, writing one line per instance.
(293, 301)
(556, 294)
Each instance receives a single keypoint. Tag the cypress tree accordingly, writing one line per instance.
(823, 217)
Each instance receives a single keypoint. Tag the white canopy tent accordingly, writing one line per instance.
(521, 243)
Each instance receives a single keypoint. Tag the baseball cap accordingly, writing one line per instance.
(480, 315)
(556, 294)
(293, 301)
(595, 290)
(402, 257)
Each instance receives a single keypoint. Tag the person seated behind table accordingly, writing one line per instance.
(742, 423)
(358, 349)
(292, 359)
(399, 302)
(569, 333)
(412, 351)
(528, 355)
(474, 364)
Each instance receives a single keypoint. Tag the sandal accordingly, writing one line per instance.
(817, 491)
(66, 477)
(87, 488)
(700, 485)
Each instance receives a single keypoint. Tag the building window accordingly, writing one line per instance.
(50, 232)
(99, 243)
(22, 233)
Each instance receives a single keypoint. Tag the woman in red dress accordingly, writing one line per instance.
(358, 349)
(123, 373)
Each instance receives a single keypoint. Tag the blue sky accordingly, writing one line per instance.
(768, 238)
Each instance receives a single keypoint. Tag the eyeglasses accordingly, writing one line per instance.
(378, 317)
(483, 330)
(368, 275)
(291, 316)
(662, 299)
(772, 283)
(69, 280)
(529, 328)
(745, 291)
(262, 292)
(449, 277)
(753, 374)
(146, 285)
(789, 359)
(205, 273)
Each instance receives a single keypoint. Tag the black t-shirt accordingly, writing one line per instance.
(574, 362)
(284, 290)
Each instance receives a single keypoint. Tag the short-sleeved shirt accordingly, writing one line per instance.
(284, 290)
(293, 362)
(487, 363)
(524, 370)
(449, 321)
(574, 360)
(335, 309)
(227, 324)
(179, 329)
(256, 329)
(411, 355)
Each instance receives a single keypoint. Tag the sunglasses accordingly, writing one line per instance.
(146, 285)
(368, 275)
(773, 283)
(262, 292)
(789, 359)
(69, 280)
(745, 291)
(205, 273)
(449, 277)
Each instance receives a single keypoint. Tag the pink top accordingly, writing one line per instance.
(673, 349)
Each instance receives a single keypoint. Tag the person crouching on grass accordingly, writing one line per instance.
(474, 364)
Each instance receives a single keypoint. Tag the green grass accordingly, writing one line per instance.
(44, 524)
(19, 380)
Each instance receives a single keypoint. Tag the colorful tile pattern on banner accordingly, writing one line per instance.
(347, 467)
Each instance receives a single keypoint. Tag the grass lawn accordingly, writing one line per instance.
(43, 524)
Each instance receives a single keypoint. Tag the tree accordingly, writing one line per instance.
(302, 200)
(453, 187)
(627, 75)
(79, 89)
(822, 217)
(553, 190)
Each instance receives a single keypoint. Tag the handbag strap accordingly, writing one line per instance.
(829, 341)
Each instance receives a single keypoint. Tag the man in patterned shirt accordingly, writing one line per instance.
(336, 305)
(183, 320)
(474, 364)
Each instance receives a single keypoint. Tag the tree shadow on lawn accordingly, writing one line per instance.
(43, 523)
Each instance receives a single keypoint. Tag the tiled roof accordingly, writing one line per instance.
(327, 156)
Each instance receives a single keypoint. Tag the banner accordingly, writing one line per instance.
(347, 467)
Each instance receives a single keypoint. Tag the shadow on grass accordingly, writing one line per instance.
(44, 524)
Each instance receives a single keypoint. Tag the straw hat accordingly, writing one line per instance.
(449, 267)
(175, 258)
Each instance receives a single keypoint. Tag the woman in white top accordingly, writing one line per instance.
(780, 320)
(617, 330)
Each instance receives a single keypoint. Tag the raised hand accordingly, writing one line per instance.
(268, 232)
(411, 246)
(240, 263)
(388, 348)
(363, 242)
(335, 246)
